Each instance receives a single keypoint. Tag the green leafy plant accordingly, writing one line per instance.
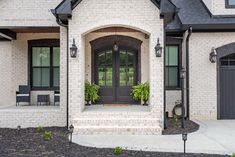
(87, 92)
(117, 150)
(233, 155)
(91, 92)
(40, 129)
(140, 92)
(47, 134)
(175, 120)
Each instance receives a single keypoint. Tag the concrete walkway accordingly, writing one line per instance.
(213, 137)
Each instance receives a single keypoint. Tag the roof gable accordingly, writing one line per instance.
(64, 10)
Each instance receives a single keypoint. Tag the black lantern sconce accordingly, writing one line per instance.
(182, 73)
(73, 50)
(184, 138)
(115, 47)
(213, 55)
(158, 49)
(71, 128)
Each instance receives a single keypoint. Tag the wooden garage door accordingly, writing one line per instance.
(227, 87)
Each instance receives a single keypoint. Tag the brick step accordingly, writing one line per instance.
(126, 130)
(115, 122)
(139, 115)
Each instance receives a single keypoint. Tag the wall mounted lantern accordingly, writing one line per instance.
(115, 47)
(158, 49)
(182, 73)
(213, 55)
(73, 50)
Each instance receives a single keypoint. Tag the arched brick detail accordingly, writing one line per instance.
(225, 50)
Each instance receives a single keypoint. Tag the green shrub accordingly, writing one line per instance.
(47, 134)
(140, 92)
(40, 129)
(91, 92)
(233, 155)
(175, 120)
(117, 150)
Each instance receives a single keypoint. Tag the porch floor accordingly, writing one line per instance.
(29, 107)
(110, 108)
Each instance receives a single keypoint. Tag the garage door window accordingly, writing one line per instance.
(230, 3)
(228, 60)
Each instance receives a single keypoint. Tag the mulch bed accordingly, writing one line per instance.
(30, 143)
(174, 127)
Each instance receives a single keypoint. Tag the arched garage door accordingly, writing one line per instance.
(227, 87)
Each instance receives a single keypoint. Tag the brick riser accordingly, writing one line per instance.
(125, 130)
(130, 124)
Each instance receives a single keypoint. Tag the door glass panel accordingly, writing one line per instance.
(109, 68)
(126, 69)
(105, 68)
(130, 69)
(122, 68)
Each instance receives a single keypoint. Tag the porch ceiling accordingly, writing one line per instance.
(8, 34)
(36, 29)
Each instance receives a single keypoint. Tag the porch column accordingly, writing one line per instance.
(63, 70)
(76, 75)
(156, 77)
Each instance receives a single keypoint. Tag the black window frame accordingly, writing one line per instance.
(227, 5)
(42, 43)
(170, 41)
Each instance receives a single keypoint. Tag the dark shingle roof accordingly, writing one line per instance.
(194, 13)
(179, 15)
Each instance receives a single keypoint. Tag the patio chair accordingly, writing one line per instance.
(56, 97)
(23, 95)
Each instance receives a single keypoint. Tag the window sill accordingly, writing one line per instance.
(173, 88)
(44, 89)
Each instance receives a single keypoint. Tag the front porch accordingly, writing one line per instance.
(31, 60)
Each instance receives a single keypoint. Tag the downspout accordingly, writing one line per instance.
(187, 71)
(67, 68)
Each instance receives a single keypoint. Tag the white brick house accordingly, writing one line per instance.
(35, 41)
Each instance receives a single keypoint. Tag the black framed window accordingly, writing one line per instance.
(230, 3)
(44, 59)
(172, 67)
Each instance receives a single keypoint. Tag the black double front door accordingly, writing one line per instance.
(116, 73)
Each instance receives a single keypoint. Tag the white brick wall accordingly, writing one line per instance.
(217, 7)
(6, 74)
(32, 117)
(27, 12)
(203, 77)
(90, 15)
(171, 97)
